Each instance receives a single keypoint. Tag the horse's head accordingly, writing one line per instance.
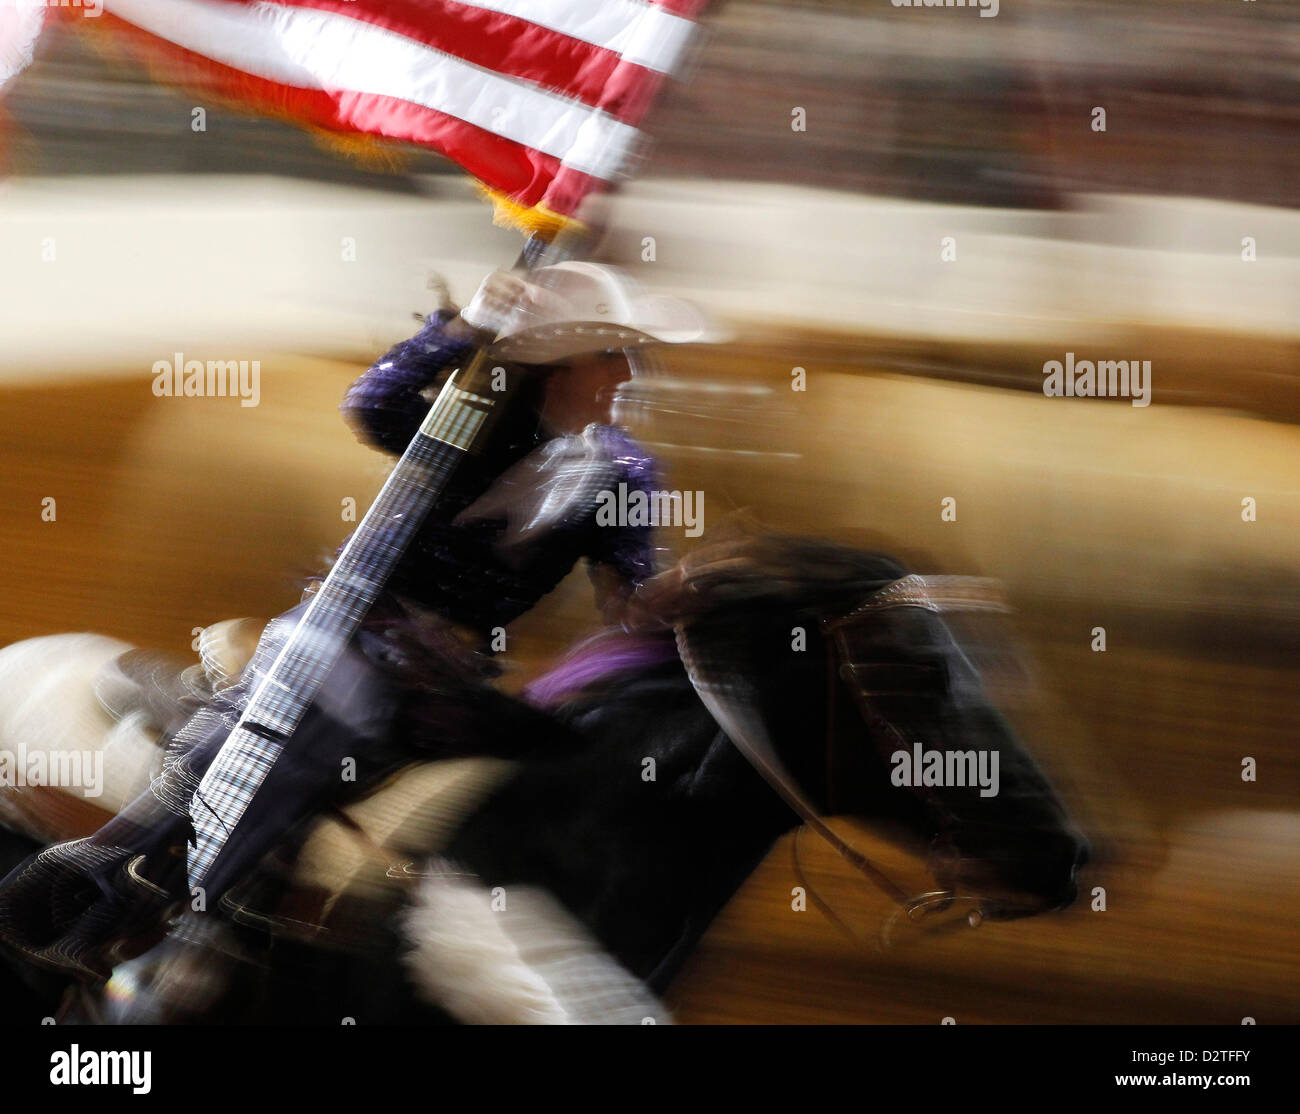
(873, 709)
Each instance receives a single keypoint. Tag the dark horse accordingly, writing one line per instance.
(635, 811)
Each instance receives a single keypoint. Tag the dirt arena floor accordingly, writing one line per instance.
(171, 514)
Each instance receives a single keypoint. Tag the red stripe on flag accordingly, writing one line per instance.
(687, 9)
(568, 189)
(511, 168)
(512, 47)
(504, 45)
(500, 43)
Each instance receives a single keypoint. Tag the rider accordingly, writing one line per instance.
(514, 519)
(482, 562)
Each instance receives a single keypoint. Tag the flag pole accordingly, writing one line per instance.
(457, 424)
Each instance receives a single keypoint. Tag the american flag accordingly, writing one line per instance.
(538, 99)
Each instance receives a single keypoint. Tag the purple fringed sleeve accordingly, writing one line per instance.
(384, 407)
(627, 549)
(458, 568)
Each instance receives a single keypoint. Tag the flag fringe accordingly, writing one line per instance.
(529, 219)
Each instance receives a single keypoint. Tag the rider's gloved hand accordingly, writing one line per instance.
(504, 303)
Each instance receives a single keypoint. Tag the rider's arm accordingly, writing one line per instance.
(385, 406)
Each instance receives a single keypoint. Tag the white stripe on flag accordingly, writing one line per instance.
(20, 27)
(311, 49)
(642, 33)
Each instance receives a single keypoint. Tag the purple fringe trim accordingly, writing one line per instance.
(599, 657)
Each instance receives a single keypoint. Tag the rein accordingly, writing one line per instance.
(731, 705)
(732, 700)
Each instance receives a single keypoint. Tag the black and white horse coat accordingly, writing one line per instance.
(630, 819)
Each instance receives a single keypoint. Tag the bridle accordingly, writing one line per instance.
(732, 702)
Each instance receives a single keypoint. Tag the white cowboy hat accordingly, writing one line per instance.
(576, 307)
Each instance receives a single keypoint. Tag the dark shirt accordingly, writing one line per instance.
(469, 571)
